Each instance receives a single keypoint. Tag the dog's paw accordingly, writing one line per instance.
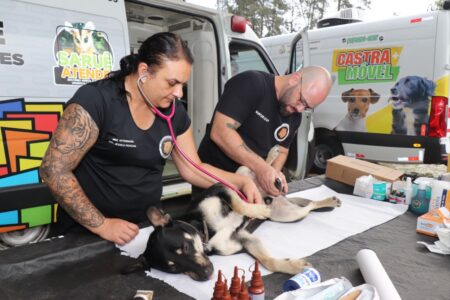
(258, 211)
(296, 266)
(336, 202)
(330, 202)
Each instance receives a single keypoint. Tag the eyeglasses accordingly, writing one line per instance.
(302, 99)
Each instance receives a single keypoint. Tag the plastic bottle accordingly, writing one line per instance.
(218, 288)
(256, 289)
(235, 286)
(420, 203)
(226, 292)
(243, 294)
(308, 277)
(408, 191)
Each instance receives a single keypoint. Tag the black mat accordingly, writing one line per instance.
(81, 266)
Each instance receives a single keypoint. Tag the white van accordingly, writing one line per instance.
(389, 101)
(49, 48)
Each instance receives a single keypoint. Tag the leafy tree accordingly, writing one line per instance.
(266, 16)
(439, 3)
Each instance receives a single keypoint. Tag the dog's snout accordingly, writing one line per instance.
(355, 111)
(209, 270)
(393, 90)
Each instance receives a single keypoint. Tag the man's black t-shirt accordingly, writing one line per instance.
(122, 173)
(250, 99)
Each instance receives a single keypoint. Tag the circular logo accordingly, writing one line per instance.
(282, 132)
(166, 146)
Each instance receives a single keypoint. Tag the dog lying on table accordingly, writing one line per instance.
(216, 224)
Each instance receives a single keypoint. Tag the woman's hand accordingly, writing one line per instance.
(251, 191)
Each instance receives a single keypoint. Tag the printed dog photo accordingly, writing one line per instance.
(410, 100)
(358, 102)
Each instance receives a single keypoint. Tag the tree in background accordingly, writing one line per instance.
(266, 16)
(439, 3)
(273, 17)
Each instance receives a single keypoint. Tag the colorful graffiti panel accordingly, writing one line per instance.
(25, 132)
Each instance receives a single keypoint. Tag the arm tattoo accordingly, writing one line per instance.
(234, 125)
(74, 136)
(246, 148)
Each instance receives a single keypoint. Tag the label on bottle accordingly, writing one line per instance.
(256, 297)
(419, 204)
(308, 277)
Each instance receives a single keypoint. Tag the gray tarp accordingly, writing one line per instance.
(81, 266)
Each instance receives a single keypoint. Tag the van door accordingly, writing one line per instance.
(47, 50)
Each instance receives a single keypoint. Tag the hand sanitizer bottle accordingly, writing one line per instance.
(420, 203)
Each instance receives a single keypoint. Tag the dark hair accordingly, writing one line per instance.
(153, 51)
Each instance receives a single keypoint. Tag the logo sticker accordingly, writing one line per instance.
(166, 146)
(366, 65)
(282, 132)
(82, 54)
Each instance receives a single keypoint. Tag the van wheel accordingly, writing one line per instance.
(25, 236)
(325, 149)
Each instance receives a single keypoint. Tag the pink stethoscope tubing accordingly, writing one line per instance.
(168, 119)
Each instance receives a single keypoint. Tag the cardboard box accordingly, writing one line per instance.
(346, 169)
(430, 221)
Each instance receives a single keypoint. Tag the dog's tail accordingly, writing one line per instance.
(139, 265)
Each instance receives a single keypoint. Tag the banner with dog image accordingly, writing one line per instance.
(82, 54)
(366, 65)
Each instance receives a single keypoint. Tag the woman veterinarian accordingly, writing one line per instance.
(105, 161)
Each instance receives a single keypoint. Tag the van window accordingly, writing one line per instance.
(297, 59)
(246, 56)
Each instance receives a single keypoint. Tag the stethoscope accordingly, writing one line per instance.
(168, 119)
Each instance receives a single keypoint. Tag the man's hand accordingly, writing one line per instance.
(266, 176)
(284, 185)
(251, 191)
(116, 230)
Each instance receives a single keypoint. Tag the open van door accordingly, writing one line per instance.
(301, 152)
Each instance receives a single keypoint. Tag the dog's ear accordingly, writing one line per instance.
(374, 97)
(346, 95)
(427, 86)
(157, 217)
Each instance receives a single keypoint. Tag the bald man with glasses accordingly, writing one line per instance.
(257, 111)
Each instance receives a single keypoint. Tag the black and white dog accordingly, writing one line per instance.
(216, 224)
(410, 99)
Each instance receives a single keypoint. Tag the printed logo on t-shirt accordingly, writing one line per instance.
(259, 114)
(166, 146)
(282, 132)
(122, 143)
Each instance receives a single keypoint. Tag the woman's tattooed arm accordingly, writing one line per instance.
(74, 136)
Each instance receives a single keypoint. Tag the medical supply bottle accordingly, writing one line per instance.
(408, 191)
(218, 288)
(420, 203)
(235, 286)
(256, 289)
(307, 277)
(243, 294)
(226, 292)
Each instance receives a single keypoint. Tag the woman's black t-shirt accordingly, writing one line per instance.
(122, 173)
